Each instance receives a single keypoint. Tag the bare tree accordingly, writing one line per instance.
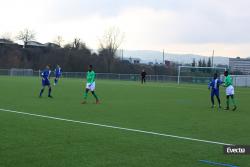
(112, 39)
(25, 36)
(59, 40)
(77, 44)
(109, 45)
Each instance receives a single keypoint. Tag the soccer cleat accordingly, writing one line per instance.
(234, 108)
(227, 108)
(50, 96)
(84, 102)
(97, 102)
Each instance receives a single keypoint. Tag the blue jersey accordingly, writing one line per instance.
(45, 74)
(215, 85)
(58, 72)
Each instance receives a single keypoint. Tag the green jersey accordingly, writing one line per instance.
(228, 81)
(90, 76)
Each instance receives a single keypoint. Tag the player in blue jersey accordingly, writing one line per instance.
(58, 74)
(45, 81)
(215, 91)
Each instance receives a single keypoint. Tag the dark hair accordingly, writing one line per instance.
(215, 75)
(226, 73)
(90, 66)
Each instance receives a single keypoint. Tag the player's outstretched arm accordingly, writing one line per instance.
(42, 76)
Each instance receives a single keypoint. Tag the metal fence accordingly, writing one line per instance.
(238, 80)
(106, 76)
(126, 77)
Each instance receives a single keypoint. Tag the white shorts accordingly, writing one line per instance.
(230, 90)
(90, 86)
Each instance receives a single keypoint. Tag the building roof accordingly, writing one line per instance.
(50, 44)
(5, 41)
(239, 59)
(34, 43)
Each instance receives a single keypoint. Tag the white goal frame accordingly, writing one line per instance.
(191, 67)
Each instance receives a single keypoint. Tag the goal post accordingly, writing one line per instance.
(20, 72)
(198, 72)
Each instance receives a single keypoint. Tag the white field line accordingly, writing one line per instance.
(116, 127)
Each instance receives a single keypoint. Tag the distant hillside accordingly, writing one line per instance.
(152, 56)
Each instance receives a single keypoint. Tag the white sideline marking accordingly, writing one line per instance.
(116, 127)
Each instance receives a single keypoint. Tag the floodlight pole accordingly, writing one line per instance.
(122, 54)
(179, 72)
(213, 59)
(163, 56)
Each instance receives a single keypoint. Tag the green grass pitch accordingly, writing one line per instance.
(28, 141)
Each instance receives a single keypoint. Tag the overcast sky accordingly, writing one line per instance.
(178, 26)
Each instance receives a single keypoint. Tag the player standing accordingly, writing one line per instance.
(58, 74)
(143, 76)
(215, 84)
(90, 85)
(45, 81)
(229, 90)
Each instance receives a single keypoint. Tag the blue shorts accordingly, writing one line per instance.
(58, 75)
(215, 92)
(45, 82)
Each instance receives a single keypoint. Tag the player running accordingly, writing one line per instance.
(58, 74)
(90, 85)
(215, 84)
(229, 90)
(45, 81)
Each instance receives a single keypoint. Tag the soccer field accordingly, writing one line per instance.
(157, 124)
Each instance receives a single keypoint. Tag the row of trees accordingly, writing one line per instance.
(74, 56)
(71, 59)
(35, 57)
(202, 63)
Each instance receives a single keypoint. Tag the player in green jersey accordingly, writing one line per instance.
(90, 85)
(229, 90)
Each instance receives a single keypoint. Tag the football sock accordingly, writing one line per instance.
(218, 98)
(212, 100)
(233, 100)
(93, 93)
(41, 92)
(227, 102)
(85, 95)
(49, 91)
